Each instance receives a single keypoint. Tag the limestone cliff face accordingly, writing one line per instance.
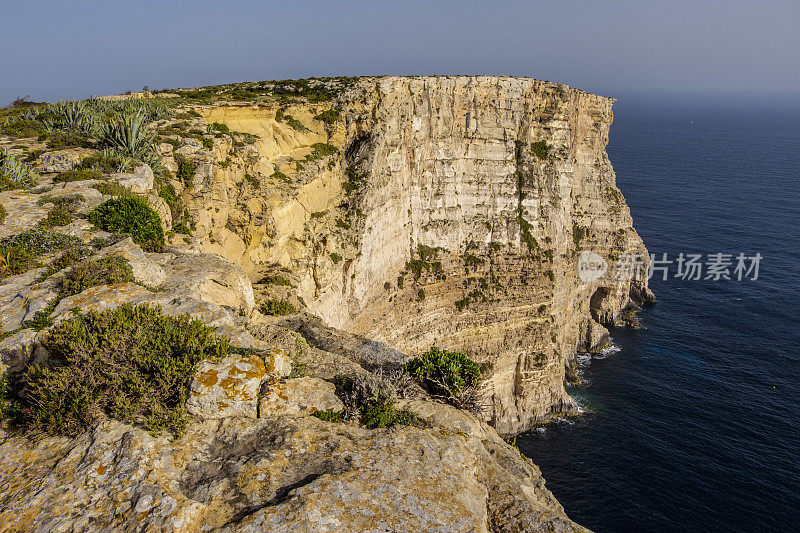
(452, 213)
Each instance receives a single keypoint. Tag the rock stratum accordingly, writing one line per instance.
(394, 214)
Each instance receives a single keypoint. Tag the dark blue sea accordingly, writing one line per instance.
(694, 425)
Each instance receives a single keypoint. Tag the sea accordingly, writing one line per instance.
(692, 423)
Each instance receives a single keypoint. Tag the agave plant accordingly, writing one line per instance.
(15, 174)
(127, 133)
(123, 161)
(73, 116)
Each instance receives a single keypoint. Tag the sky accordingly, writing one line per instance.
(54, 50)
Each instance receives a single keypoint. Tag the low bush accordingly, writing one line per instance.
(294, 123)
(540, 149)
(133, 216)
(186, 171)
(329, 415)
(275, 280)
(3, 214)
(216, 126)
(277, 307)
(450, 376)
(77, 175)
(130, 363)
(371, 401)
(382, 413)
(60, 140)
(108, 161)
(20, 253)
(321, 150)
(93, 272)
(58, 216)
(329, 116)
(112, 188)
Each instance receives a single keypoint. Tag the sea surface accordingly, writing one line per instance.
(694, 424)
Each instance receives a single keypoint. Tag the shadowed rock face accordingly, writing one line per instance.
(452, 213)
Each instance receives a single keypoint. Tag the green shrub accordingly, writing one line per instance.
(329, 116)
(294, 123)
(3, 213)
(451, 376)
(77, 175)
(186, 171)
(277, 307)
(60, 140)
(329, 415)
(354, 180)
(69, 257)
(33, 155)
(108, 161)
(112, 188)
(216, 126)
(370, 399)
(379, 413)
(93, 272)
(578, 233)
(336, 258)
(275, 280)
(132, 216)
(321, 150)
(58, 216)
(252, 180)
(20, 253)
(169, 194)
(281, 176)
(208, 144)
(41, 319)
(130, 363)
(23, 128)
(182, 228)
(540, 149)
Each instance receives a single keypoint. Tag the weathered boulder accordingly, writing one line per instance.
(21, 297)
(103, 297)
(61, 160)
(227, 388)
(304, 395)
(140, 180)
(160, 206)
(207, 277)
(16, 350)
(145, 270)
(23, 212)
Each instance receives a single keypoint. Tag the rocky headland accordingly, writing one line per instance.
(325, 235)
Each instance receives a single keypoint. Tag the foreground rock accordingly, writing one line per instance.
(277, 474)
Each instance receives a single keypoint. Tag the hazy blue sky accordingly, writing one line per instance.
(71, 49)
